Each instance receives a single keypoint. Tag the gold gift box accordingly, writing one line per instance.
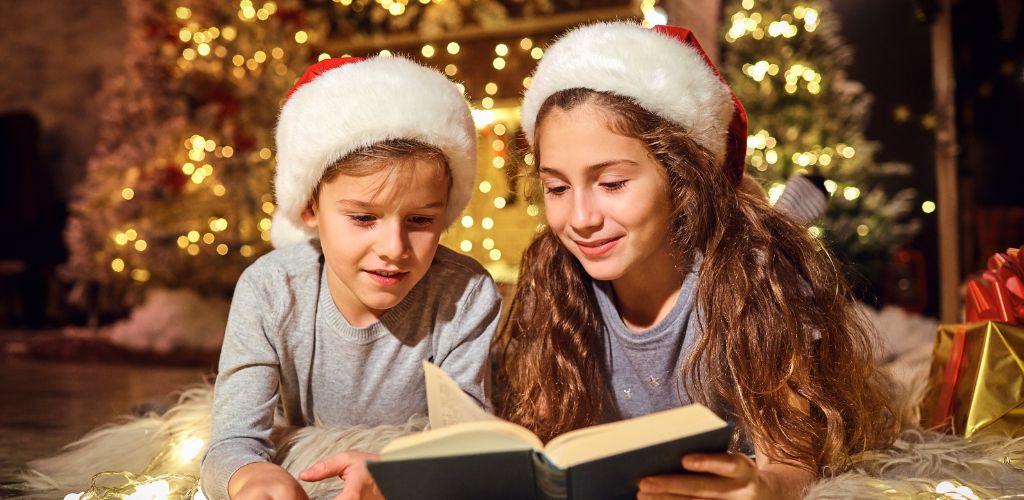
(987, 393)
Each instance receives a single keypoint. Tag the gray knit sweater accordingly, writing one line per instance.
(288, 345)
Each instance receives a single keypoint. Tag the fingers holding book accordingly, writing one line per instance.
(720, 475)
(350, 466)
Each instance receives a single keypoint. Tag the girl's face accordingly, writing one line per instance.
(604, 196)
(379, 233)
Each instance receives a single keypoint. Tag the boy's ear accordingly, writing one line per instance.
(309, 215)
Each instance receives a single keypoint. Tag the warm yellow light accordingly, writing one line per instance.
(498, 162)
(487, 102)
(182, 241)
(189, 449)
(498, 145)
(500, 129)
(928, 207)
(532, 210)
(227, 151)
(264, 224)
(140, 245)
(222, 249)
(467, 221)
(301, 36)
(184, 35)
(188, 54)
(157, 490)
(219, 190)
(427, 51)
(245, 250)
(396, 9)
(487, 223)
(277, 53)
(527, 82)
(465, 245)
(537, 53)
(862, 230)
(117, 265)
(491, 88)
(451, 69)
(501, 49)
(265, 153)
(121, 239)
(142, 276)
(193, 249)
(499, 202)
(229, 33)
(771, 156)
(209, 238)
(485, 187)
(203, 49)
(193, 236)
(851, 193)
(183, 13)
(498, 63)
(127, 193)
(386, 53)
(453, 48)
(488, 243)
(815, 231)
(526, 44)
(495, 254)
(267, 207)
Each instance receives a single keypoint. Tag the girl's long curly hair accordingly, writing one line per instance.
(783, 352)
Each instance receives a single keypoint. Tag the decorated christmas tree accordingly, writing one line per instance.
(786, 62)
(178, 192)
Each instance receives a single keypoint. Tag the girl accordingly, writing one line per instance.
(375, 159)
(659, 280)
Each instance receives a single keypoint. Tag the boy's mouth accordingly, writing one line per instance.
(386, 278)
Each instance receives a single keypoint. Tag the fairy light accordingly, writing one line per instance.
(928, 207)
(140, 275)
(498, 63)
(117, 265)
(775, 191)
(488, 243)
(467, 221)
(851, 193)
(451, 69)
(245, 251)
(498, 162)
(537, 53)
(491, 88)
(501, 49)
(453, 48)
(427, 51)
(485, 187)
(209, 238)
(532, 210)
(487, 223)
(183, 13)
(301, 37)
(466, 245)
(495, 254)
(141, 245)
(487, 102)
(526, 44)
(499, 202)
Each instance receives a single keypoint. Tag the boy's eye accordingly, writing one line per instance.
(614, 186)
(363, 219)
(421, 220)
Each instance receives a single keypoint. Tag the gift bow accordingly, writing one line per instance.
(998, 295)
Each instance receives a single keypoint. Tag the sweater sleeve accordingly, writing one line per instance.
(464, 352)
(246, 391)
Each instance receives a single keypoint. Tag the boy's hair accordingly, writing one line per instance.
(783, 351)
(389, 154)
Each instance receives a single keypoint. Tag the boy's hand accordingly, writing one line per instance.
(725, 475)
(264, 481)
(350, 466)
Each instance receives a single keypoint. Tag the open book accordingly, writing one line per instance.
(469, 453)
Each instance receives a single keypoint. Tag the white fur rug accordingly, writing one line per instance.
(920, 464)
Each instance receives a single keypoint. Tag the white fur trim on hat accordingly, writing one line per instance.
(662, 74)
(356, 105)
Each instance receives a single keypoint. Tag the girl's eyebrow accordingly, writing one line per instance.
(591, 168)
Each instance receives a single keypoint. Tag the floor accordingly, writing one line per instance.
(45, 405)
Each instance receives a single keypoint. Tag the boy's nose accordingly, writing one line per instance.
(394, 242)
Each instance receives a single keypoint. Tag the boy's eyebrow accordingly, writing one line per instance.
(590, 168)
(364, 205)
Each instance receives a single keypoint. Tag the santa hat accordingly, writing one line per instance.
(342, 105)
(663, 69)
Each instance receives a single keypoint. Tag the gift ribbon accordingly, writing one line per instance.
(944, 409)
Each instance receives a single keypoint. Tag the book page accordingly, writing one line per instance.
(600, 441)
(447, 404)
(467, 438)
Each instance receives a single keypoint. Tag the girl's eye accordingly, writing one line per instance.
(555, 190)
(421, 220)
(363, 219)
(614, 186)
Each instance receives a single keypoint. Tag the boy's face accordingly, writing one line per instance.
(379, 233)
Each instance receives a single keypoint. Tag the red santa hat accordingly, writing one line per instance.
(663, 69)
(342, 105)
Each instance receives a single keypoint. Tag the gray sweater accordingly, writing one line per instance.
(288, 346)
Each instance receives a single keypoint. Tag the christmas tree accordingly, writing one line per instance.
(786, 62)
(178, 193)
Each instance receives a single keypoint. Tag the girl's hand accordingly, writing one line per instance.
(723, 475)
(350, 466)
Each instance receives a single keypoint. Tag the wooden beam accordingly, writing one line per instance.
(945, 163)
(556, 23)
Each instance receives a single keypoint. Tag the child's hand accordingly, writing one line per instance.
(264, 481)
(350, 466)
(725, 475)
